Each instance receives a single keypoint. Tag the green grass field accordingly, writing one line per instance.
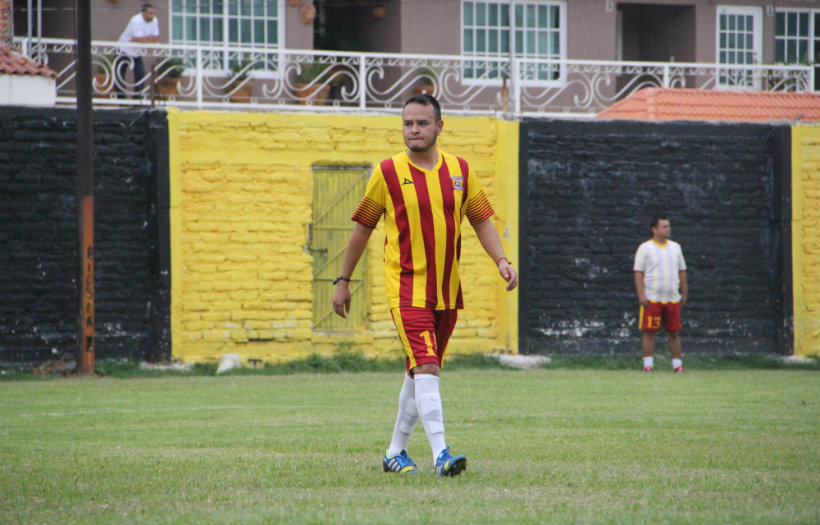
(543, 446)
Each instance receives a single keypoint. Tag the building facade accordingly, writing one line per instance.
(728, 31)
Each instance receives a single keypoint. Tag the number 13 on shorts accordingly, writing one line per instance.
(660, 314)
(648, 322)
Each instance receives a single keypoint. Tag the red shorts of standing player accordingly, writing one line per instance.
(660, 314)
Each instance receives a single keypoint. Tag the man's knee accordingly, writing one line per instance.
(426, 368)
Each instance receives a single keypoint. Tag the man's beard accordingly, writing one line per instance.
(415, 147)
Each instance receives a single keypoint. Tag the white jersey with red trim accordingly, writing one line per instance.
(660, 265)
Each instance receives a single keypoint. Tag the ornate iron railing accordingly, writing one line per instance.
(261, 79)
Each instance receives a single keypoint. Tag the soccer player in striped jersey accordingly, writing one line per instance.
(424, 195)
(660, 279)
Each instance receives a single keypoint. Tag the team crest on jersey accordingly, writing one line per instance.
(458, 183)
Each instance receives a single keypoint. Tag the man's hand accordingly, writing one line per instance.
(643, 300)
(341, 299)
(508, 273)
(355, 248)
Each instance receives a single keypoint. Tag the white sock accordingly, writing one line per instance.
(648, 361)
(676, 363)
(406, 418)
(428, 400)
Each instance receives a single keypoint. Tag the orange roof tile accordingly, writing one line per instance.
(14, 63)
(716, 105)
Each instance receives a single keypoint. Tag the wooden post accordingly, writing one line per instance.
(85, 192)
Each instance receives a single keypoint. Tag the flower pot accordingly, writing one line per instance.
(315, 95)
(103, 85)
(430, 90)
(240, 92)
(168, 87)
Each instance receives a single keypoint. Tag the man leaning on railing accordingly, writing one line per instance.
(144, 28)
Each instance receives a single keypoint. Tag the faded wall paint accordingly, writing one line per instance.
(806, 239)
(241, 197)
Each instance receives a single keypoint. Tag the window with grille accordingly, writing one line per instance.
(792, 37)
(227, 24)
(797, 39)
(503, 29)
(739, 41)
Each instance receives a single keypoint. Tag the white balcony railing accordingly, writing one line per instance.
(259, 79)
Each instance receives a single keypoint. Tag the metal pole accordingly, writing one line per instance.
(29, 21)
(511, 57)
(85, 192)
(199, 77)
(362, 74)
(39, 22)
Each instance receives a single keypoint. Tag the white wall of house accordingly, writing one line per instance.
(27, 90)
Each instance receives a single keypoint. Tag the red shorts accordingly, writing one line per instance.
(424, 333)
(659, 313)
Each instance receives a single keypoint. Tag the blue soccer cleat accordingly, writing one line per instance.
(400, 463)
(449, 465)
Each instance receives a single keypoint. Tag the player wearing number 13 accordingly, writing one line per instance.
(660, 279)
(424, 195)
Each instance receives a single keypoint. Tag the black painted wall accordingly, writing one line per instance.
(38, 233)
(588, 191)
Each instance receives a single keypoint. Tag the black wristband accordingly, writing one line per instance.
(340, 278)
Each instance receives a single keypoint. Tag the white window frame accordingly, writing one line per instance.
(226, 47)
(757, 42)
(562, 39)
(813, 42)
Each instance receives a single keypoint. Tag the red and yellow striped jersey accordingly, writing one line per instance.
(423, 211)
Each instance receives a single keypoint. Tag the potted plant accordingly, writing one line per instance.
(240, 88)
(310, 87)
(167, 75)
(102, 84)
(425, 82)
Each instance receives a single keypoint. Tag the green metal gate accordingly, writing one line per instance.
(337, 191)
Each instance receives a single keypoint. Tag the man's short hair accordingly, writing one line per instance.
(658, 217)
(145, 7)
(426, 100)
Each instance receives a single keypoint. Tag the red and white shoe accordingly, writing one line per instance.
(648, 369)
(679, 370)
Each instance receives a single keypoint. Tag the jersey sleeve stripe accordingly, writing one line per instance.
(479, 209)
(368, 213)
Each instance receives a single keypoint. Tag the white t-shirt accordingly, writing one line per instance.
(138, 27)
(660, 266)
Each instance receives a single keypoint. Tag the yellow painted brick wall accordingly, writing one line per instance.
(806, 239)
(241, 197)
